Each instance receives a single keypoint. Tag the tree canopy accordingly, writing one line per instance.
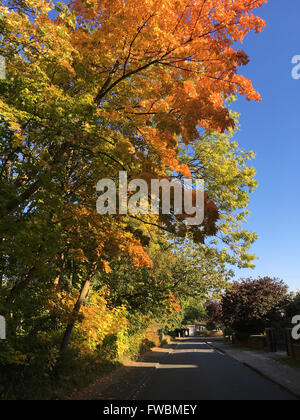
(249, 305)
(92, 88)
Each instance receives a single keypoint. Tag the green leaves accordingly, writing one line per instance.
(229, 181)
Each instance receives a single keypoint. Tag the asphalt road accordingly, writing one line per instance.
(195, 371)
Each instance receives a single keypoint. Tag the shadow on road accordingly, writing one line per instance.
(188, 369)
(196, 371)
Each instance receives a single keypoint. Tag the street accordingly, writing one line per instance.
(195, 371)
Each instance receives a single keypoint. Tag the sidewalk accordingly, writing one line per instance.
(265, 364)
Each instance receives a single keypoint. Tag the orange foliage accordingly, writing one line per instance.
(173, 304)
(118, 84)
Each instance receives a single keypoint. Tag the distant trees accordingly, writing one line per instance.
(214, 314)
(248, 306)
(193, 313)
(293, 308)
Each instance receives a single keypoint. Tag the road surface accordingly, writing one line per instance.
(195, 371)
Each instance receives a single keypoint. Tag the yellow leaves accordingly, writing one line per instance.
(60, 304)
(13, 357)
(14, 126)
(65, 15)
(42, 6)
(98, 322)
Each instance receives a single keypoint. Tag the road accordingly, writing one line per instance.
(195, 371)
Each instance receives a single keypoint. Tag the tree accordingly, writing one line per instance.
(229, 181)
(214, 314)
(193, 310)
(106, 81)
(95, 87)
(101, 87)
(293, 308)
(249, 305)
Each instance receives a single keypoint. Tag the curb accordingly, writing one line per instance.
(142, 384)
(259, 372)
(133, 395)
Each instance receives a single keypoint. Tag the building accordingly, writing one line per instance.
(195, 329)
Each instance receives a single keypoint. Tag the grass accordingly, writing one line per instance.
(289, 362)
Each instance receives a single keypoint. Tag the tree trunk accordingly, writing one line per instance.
(83, 295)
(60, 270)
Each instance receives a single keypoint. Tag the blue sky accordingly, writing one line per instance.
(272, 129)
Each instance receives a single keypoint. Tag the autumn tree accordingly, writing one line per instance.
(154, 80)
(96, 87)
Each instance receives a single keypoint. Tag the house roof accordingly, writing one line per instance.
(196, 324)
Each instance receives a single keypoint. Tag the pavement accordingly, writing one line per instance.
(265, 364)
(197, 371)
(188, 369)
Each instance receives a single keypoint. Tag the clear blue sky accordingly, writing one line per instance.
(272, 129)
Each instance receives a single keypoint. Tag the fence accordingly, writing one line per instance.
(275, 339)
(293, 346)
